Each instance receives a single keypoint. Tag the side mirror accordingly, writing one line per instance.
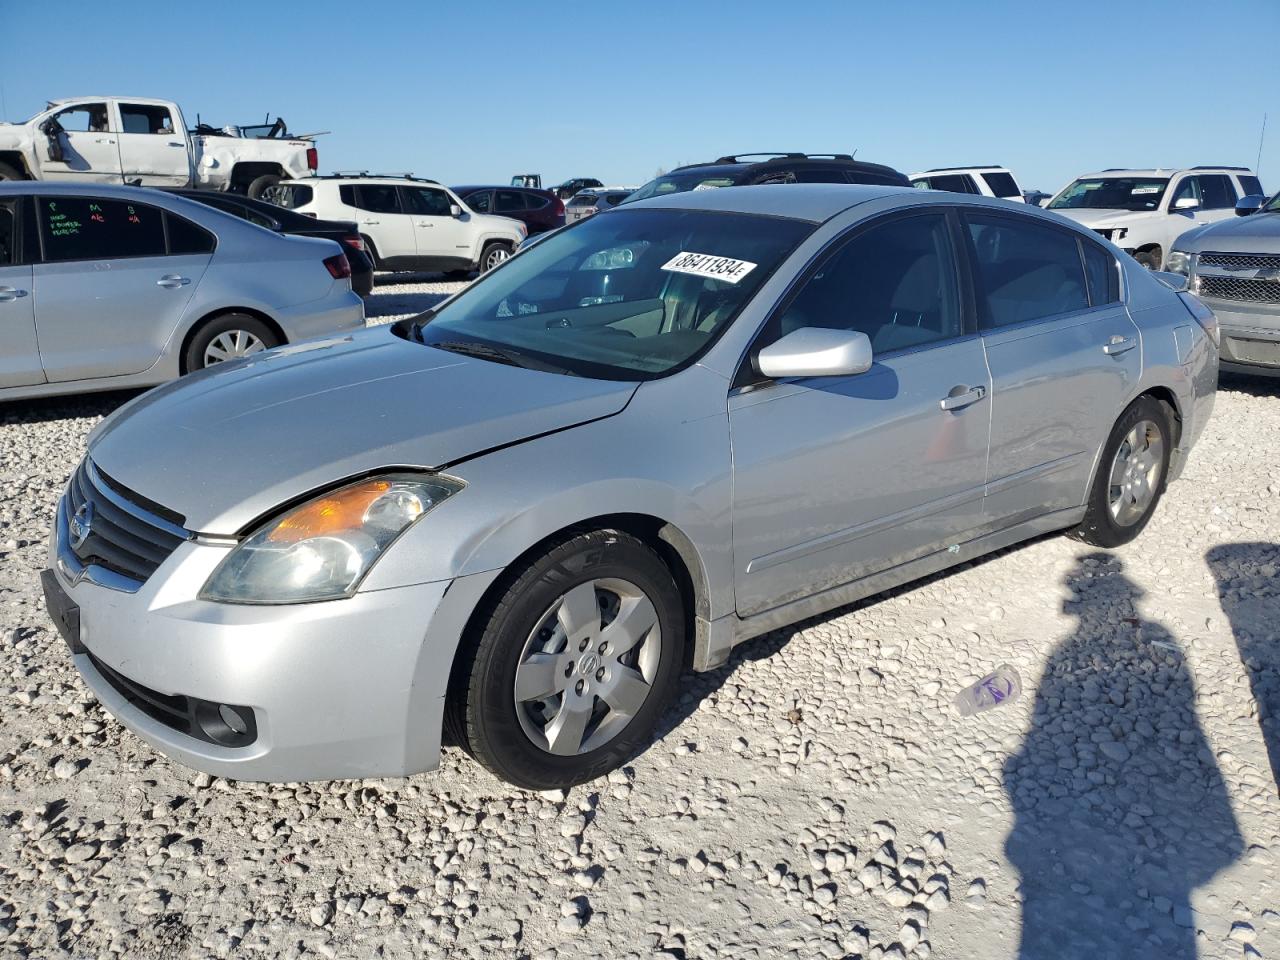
(455, 210)
(1250, 204)
(1186, 203)
(816, 352)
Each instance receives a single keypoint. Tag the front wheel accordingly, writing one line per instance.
(574, 662)
(10, 173)
(1131, 476)
(1150, 259)
(495, 254)
(229, 337)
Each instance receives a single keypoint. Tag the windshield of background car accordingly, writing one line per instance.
(1112, 193)
(679, 183)
(630, 295)
(1273, 205)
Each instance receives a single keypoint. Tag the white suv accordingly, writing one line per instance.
(1144, 211)
(986, 181)
(407, 223)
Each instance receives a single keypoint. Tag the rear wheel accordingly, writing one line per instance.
(371, 252)
(258, 184)
(1131, 476)
(1151, 259)
(495, 253)
(573, 664)
(10, 173)
(228, 337)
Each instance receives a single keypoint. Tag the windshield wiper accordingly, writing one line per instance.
(507, 355)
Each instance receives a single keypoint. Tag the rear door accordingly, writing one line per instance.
(152, 147)
(114, 283)
(1064, 356)
(19, 351)
(90, 151)
(383, 220)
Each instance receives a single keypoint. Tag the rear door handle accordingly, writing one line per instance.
(1118, 345)
(104, 140)
(172, 281)
(370, 221)
(427, 223)
(11, 293)
(958, 401)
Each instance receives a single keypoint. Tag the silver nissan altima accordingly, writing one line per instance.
(511, 522)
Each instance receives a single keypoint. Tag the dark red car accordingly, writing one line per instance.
(540, 210)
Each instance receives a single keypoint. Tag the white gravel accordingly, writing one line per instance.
(817, 797)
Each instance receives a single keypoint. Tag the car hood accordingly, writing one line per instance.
(227, 445)
(1256, 233)
(1096, 218)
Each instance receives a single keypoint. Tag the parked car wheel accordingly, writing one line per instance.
(228, 337)
(9, 173)
(371, 251)
(1150, 259)
(573, 664)
(259, 185)
(1131, 476)
(495, 253)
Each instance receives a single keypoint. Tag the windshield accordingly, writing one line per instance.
(679, 183)
(1112, 193)
(627, 295)
(1273, 205)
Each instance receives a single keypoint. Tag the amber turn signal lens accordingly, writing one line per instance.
(341, 510)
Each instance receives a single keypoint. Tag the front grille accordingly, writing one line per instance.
(125, 536)
(1236, 288)
(173, 711)
(1240, 261)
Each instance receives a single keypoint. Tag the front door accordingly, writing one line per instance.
(108, 295)
(152, 148)
(440, 235)
(1064, 357)
(19, 351)
(86, 149)
(837, 478)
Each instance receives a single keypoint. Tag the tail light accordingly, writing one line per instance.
(559, 207)
(355, 242)
(313, 158)
(339, 266)
(1204, 316)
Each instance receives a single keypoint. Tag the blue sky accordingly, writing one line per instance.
(477, 92)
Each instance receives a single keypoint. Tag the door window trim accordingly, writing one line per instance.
(746, 374)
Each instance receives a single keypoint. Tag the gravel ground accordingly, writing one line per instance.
(816, 797)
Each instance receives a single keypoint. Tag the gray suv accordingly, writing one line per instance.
(1234, 267)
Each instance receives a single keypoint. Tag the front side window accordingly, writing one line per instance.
(84, 118)
(1024, 271)
(1112, 193)
(144, 118)
(479, 201)
(1217, 192)
(895, 282)
(377, 198)
(1002, 184)
(1188, 189)
(1251, 185)
(425, 202)
(508, 201)
(631, 296)
(90, 228)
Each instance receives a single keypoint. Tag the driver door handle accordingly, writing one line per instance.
(11, 293)
(1118, 345)
(370, 221)
(172, 281)
(958, 401)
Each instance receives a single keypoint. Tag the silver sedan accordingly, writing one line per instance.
(657, 433)
(105, 288)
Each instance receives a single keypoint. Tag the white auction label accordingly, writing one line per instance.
(706, 265)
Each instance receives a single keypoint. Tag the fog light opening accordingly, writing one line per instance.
(226, 724)
(233, 720)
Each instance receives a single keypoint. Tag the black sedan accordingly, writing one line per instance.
(280, 220)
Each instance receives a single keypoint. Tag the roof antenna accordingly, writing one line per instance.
(1257, 167)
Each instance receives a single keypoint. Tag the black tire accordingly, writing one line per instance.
(1100, 526)
(194, 358)
(10, 173)
(456, 275)
(494, 254)
(371, 251)
(1151, 259)
(259, 184)
(481, 713)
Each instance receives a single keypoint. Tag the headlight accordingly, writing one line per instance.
(322, 549)
(1178, 261)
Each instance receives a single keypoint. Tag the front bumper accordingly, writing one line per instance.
(339, 689)
(1250, 334)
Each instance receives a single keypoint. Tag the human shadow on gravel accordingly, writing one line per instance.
(1248, 577)
(1120, 810)
(48, 409)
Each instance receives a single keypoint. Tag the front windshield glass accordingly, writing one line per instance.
(626, 295)
(679, 183)
(1112, 193)
(1273, 205)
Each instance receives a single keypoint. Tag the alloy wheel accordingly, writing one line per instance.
(1136, 473)
(230, 345)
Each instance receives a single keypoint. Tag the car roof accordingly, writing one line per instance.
(392, 180)
(468, 187)
(58, 188)
(814, 202)
(978, 168)
(1160, 171)
(144, 101)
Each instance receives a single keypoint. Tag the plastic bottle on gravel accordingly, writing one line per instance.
(1003, 685)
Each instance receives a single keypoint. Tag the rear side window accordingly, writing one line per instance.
(613, 199)
(508, 201)
(821, 175)
(8, 232)
(186, 237)
(534, 202)
(1024, 271)
(1002, 184)
(377, 198)
(90, 228)
(1251, 186)
(1103, 274)
(145, 118)
(777, 176)
(583, 200)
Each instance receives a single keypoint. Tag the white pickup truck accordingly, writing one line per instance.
(142, 141)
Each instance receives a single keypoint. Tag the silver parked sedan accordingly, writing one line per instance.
(674, 426)
(105, 288)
